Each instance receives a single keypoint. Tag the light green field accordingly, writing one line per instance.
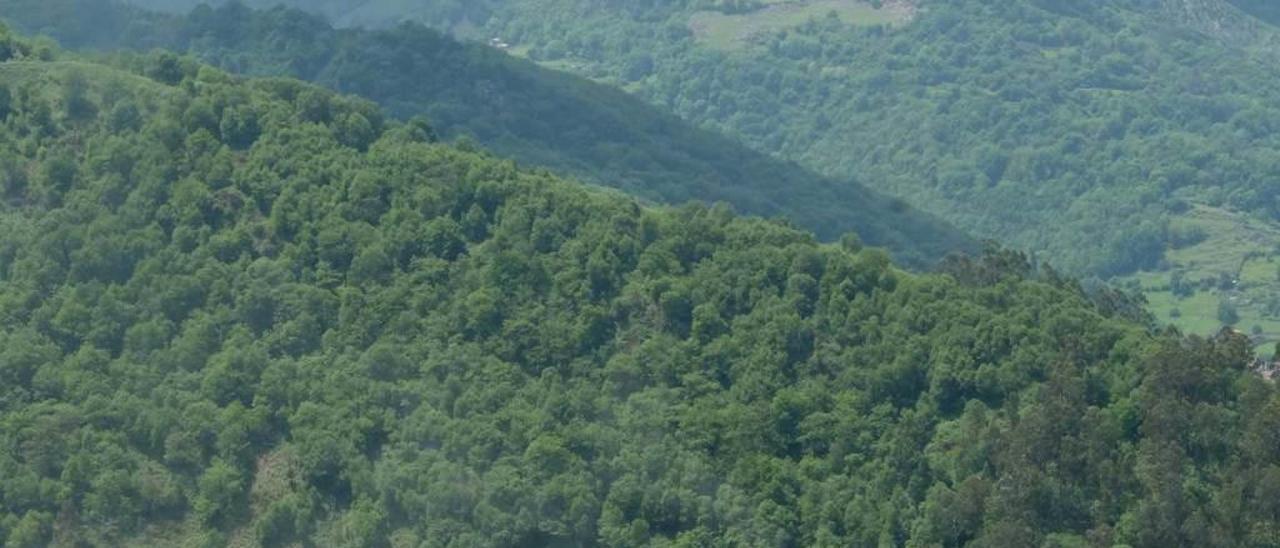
(1244, 247)
(1260, 272)
(729, 32)
(1200, 310)
(1232, 238)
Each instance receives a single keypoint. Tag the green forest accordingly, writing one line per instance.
(1118, 119)
(1127, 140)
(1117, 113)
(465, 15)
(513, 107)
(268, 279)
(251, 312)
(1130, 140)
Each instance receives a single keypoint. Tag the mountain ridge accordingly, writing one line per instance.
(539, 117)
(243, 310)
(878, 101)
(252, 311)
(1087, 133)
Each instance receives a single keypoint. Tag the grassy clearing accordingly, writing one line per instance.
(1242, 247)
(729, 32)
(1199, 315)
(1232, 238)
(1260, 272)
(1199, 312)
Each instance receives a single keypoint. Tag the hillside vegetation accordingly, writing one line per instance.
(738, 27)
(253, 312)
(513, 107)
(1081, 132)
(457, 15)
(1088, 132)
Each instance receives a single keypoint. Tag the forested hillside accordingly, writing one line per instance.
(252, 312)
(1086, 130)
(462, 15)
(1083, 131)
(1130, 138)
(537, 116)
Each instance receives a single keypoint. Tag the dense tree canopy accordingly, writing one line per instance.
(1077, 128)
(1084, 130)
(513, 107)
(446, 13)
(255, 312)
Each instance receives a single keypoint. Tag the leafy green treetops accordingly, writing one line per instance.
(253, 312)
(535, 115)
(1089, 130)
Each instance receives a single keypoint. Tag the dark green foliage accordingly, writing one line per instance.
(1227, 312)
(511, 106)
(360, 12)
(6, 101)
(1084, 129)
(341, 337)
(1179, 285)
(94, 23)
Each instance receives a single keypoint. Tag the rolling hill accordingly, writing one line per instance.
(511, 106)
(1091, 134)
(251, 312)
(1023, 121)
